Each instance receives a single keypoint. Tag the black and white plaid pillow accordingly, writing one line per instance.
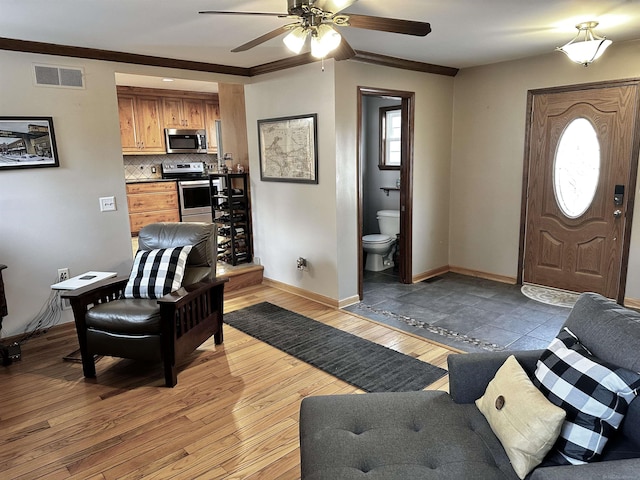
(594, 393)
(157, 272)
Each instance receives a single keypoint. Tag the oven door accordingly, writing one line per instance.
(195, 201)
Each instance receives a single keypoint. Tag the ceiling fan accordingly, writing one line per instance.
(315, 19)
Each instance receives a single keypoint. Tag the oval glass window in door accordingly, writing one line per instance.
(576, 168)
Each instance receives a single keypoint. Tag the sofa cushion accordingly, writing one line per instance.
(398, 436)
(524, 421)
(594, 393)
(157, 272)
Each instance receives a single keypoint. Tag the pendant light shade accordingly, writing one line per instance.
(586, 46)
(295, 39)
(324, 39)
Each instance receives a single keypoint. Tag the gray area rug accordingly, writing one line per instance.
(357, 361)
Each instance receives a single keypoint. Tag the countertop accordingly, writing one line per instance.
(149, 180)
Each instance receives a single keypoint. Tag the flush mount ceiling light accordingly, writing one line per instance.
(586, 46)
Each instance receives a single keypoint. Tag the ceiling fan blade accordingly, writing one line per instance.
(257, 41)
(344, 51)
(407, 27)
(265, 14)
(333, 6)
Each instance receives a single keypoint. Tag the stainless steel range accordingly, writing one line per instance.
(193, 190)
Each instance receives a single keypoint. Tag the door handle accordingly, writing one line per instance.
(617, 213)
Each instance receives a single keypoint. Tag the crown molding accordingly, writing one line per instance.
(113, 56)
(289, 62)
(377, 59)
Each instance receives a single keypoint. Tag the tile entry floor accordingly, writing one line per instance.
(468, 313)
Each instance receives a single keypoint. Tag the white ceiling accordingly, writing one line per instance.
(464, 33)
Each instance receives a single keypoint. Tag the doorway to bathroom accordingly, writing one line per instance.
(385, 165)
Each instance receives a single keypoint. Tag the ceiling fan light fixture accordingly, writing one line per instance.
(324, 40)
(295, 39)
(586, 47)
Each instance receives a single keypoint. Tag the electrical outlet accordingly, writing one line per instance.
(63, 274)
(65, 303)
(108, 204)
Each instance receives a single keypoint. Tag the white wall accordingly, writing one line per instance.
(432, 156)
(488, 152)
(294, 220)
(319, 222)
(49, 217)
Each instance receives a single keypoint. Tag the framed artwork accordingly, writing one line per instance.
(288, 149)
(27, 142)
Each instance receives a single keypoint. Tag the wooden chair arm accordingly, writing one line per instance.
(187, 293)
(107, 289)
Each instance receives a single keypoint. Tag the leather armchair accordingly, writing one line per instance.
(167, 329)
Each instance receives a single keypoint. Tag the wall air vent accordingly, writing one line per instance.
(54, 76)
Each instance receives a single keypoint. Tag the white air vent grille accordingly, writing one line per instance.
(52, 76)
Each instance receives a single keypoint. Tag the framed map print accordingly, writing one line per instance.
(27, 142)
(288, 149)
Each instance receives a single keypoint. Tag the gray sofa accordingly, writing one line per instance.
(436, 435)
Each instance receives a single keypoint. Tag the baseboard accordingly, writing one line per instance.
(632, 303)
(430, 274)
(462, 271)
(485, 275)
(331, 302)
(303, 293)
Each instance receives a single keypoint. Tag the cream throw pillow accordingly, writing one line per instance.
(525, 422)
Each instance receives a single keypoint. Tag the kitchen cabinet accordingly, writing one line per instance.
(211, 114)
(183, 113)
(151, 202)
(146, 112)
(141, 129)
(231, 213)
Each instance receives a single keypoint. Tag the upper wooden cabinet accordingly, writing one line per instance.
(145, 113)
(141, 129)
(183, 113)
(211, 114)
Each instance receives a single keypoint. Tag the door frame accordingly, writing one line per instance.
(406, 180)
(633, 174)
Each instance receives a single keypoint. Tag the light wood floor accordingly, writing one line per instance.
(233, 414)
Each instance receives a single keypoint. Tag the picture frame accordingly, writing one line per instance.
(27, 142)
(288, 149)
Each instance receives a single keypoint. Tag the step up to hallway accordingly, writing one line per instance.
(240, 276)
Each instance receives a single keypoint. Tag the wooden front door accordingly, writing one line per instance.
(582, 160)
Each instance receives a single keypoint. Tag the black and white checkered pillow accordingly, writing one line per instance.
(595, 395)
(157, 272)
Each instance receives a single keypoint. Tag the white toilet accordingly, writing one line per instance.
(379, 246)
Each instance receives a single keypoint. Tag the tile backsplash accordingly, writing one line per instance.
(139, 167)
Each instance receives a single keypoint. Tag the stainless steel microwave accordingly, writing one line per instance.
(185, 141)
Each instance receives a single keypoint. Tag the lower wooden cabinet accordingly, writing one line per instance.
(151, 202)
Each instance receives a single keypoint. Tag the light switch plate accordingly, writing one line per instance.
(108, 204)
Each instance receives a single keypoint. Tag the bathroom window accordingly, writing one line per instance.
(390, 138)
